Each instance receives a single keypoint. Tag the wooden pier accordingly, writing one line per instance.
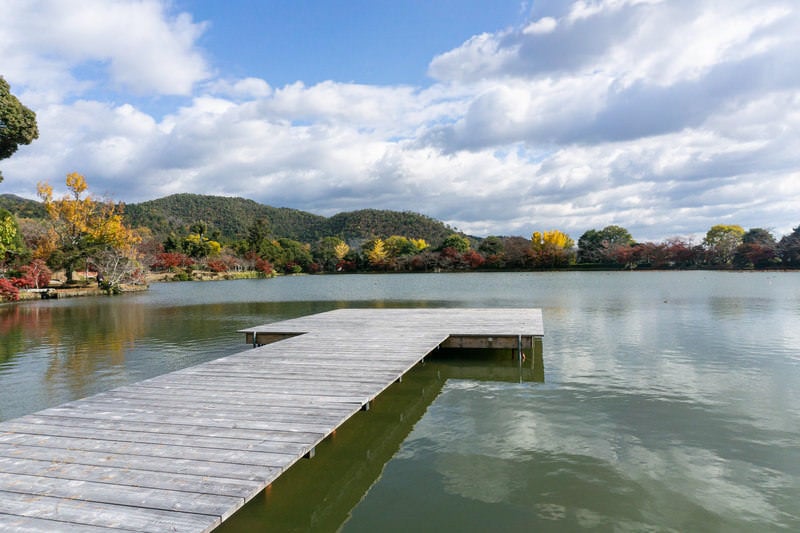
(184, 451)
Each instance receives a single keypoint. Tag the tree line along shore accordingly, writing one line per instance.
(115, 249)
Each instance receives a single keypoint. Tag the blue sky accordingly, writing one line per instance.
(663, 116)
(367, 41)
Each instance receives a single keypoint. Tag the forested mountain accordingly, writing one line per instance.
(22, 207)
(369, 223)
(232, 217)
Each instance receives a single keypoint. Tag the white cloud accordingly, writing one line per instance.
(139, 45)
(543, 25)
(244, 89)
(481, 56)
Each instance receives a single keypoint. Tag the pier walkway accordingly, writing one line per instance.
(185, 450)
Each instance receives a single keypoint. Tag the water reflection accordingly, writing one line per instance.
(68, 330)
(505, 457)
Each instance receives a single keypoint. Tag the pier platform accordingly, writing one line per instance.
(183, 451)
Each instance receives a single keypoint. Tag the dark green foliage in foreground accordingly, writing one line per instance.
(17, 123)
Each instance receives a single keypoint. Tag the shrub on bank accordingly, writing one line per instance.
(181, 275)
(8, 292)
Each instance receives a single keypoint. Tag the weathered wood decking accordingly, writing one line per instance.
(183, 451)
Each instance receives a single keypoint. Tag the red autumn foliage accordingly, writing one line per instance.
(8, 291)
(167, 260)
(264, 266)
(217, 265)
(473, 259)
(35, 275)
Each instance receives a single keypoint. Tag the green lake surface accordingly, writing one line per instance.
(670, 401)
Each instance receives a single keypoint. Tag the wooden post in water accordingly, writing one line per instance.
(538, 359)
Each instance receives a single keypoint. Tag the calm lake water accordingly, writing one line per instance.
(670, 400)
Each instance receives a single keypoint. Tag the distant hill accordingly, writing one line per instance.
(233, 216)
(369, 223)
(22, 207)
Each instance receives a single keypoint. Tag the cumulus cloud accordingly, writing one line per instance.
(139, 45)
(541, 26)
(620, 70)
(663, 117)
(243, 89)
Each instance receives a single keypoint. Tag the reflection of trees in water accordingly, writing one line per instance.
(90, 339)
(22, 327)
(79, 340)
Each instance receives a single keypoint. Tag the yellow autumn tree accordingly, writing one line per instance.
(340, 250)
(378, 254)
(90, 230)
(10, 238)
(552, 238)
(551, 248)
(420, 244)
(721, 241)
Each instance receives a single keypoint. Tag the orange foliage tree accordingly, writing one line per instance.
(83, 228)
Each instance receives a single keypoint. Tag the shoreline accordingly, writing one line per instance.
(59, 292)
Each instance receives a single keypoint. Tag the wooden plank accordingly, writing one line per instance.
(125, 495)
(293, 375)
(156, 403)
(66, 511)
(115, 460)
(155, 396)
(270, 385)
(287, 398)
(136, 478)
(252, 422)
(262, 443)
(27, 524)
(320, 419)
(175, 429)
(166, 451)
